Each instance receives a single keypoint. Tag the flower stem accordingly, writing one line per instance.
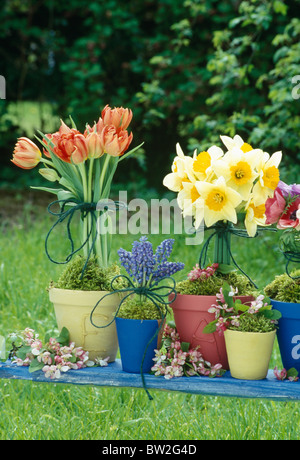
(222, 248)
(84, 221)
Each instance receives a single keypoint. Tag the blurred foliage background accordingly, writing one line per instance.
(189, 69)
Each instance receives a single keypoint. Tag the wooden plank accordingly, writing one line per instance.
(113, 376)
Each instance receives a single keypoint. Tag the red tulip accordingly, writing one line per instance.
(115, 141)
(290, 218)
(26, 154)
(118, 117)
(275, 207)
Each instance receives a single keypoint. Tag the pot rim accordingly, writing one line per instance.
(139, 320)
(285, 304)
(211, 296)
(231, 331)
(54, 289)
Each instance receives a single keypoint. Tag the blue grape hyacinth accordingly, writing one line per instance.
(143, 266)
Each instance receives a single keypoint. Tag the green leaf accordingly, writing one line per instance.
(224, 268)
(55, 191)
(64, 337)
(22, 352)
(185, 346)
(292, 372)
(35, 365)
(210, 328)
(271, 314)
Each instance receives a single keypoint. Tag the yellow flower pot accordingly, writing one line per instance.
(73, 310)
(249, 353)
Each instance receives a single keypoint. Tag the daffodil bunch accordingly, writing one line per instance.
(221, 185)
(82, 165)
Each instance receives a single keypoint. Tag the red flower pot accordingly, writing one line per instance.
(191, 316)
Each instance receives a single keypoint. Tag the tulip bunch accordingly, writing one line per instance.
(83, 165)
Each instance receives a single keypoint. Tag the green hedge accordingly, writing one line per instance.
(190, 70)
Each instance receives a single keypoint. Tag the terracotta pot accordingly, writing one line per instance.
(249, 353)
(191, 316)
(73, 310)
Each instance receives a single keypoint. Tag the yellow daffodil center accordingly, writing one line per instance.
(246, 147)
(202, 162)
(215, 200)
(271, 177)
(259, 211)
(194, 194)
(241, 173)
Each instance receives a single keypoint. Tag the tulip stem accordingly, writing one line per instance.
(84, 221)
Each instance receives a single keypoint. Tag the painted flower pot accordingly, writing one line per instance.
(134, 336)
(288, 333)
(73, 310)
(191, 316)
(249, 353)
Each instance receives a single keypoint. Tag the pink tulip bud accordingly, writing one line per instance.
(26, 154)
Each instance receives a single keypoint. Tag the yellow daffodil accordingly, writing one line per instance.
(255, 215)
(220, 201)
(238, 170)
(268, 177)
(173, 181)
(236, 142)
(202, 165)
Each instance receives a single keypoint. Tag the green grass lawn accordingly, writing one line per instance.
(58, 411)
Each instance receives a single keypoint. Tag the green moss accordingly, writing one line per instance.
(284, 289)
(140, 307)
(212, 285)
(254, 323)
(94, 279)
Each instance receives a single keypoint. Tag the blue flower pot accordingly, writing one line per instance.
(134, 336)
(288, 333)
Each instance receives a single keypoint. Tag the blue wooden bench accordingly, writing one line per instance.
(113, 376)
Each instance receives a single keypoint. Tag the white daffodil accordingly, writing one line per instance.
(268, 177)
(173, 181)
(202, 165)
(220, 201)
(236, 142)
(239, 169)
(255, 215)
(188, 198)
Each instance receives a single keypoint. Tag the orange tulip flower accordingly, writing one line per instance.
(70, 147)
(26, 154)
(115, 141)
(94, 144)
(118, 117)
